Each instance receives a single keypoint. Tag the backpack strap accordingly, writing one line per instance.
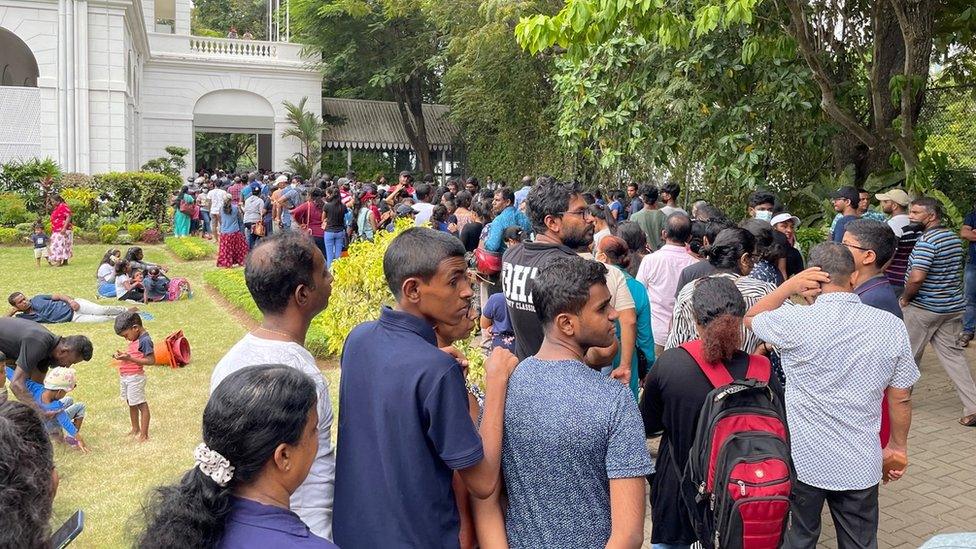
(717, 374)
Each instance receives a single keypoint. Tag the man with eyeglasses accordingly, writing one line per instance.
(562, 223)
(872, 243)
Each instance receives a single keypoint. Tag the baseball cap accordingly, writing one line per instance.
(849, 193)
(281, 179)
(60, 379)
(785, 216)
(897, 196)
(404, 210)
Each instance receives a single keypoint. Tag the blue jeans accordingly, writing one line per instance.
(286, 219)
(106, 289)
(205, 220)
(969, 317)
(333, 246)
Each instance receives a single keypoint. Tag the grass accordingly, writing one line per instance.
(111, 482)
(190, 248)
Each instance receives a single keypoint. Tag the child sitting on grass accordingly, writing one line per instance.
(52, 396)
(132, 376)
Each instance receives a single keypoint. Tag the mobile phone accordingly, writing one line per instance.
(69, 530)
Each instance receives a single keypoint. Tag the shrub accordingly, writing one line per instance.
(123, 238)
(136, 230)
(140, 195)
(107, 233)
(24, 229)
(191, 248)
(152, 236)
(75, 179)
(84, 235)
(83, 203)
(9, 235)
(808, 237)
(32, 180)
(13, 209)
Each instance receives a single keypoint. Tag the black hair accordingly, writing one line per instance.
(715, 226)
(486, 195)
(473, 181)
(428, 178)
(599, 211)
(133, 254)
(678, 227)
(548, 198)
(107, 258)
(766, 245)
(876, 236)
(463, 200)
(563, 286)
(634, 185)
(697, 239)
(672, 189)
(710, 212)
(417, 252)
(761, 197)
(930, 204)
(834, 259)
(507, 194)
(251, 413)
(126, 320)
(482, 210)
(439, 213)
(26, 490)
(513, 233)
(122, 267)
(718, 307)
(12, 297)
(589, 198)
(276, 267)
(422, 190)
(729, 246)
(80, 345)
(317, 196)
(649, 194)
(633, 235)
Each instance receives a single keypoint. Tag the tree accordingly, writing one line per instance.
(307, 128)
(170, 165)
(216, 17)
(868, 60)
(380, 50)
(225, 151)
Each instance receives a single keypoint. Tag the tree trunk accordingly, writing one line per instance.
(409, 100)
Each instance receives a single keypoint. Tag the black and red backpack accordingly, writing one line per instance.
(739, 475)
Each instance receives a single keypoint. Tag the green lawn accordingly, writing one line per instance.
(111, 482)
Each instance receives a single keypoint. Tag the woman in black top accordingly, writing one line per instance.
(334, 221)
(674, 392)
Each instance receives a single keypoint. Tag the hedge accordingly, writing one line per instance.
(230, 284)
(190, 248)
(9, 235)
(140, 195)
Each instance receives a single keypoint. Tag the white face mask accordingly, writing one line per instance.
(765, 215)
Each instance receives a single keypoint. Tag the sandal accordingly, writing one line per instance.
(968, 421)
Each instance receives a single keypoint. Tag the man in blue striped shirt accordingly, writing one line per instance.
(933, 300)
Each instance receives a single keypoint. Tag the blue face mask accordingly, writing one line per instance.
(765, 215)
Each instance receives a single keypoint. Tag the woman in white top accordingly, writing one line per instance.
(126, 287)
(253, 213)
(105, 277)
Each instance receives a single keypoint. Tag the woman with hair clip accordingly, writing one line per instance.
(615, 253)
(259, 441)
(674, 392)
(603, 223)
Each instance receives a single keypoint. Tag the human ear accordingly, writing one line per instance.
(410, 289)
(282, 457)
(564, 322)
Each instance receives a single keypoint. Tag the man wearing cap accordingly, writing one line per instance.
(895, 203)
(785, 223)
(846, 200)
(33, 349)
(288, 199)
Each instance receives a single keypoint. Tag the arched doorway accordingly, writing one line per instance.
(18, 66)
(234, 113)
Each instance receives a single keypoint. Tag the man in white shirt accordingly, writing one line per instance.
(423, 207)
(217, 196)
(290, 283)
(659, 273)
(895, 203)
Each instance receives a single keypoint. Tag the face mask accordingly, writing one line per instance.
(765, 215)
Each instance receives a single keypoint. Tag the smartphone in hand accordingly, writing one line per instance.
(69, 530)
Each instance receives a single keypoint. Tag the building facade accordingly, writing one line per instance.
(104, 85)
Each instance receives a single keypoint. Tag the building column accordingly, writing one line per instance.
(348, 158)
(443, 166)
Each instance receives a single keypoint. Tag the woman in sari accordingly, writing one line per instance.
(184, 210)
(61, 239)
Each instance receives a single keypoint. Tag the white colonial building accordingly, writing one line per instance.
(104, 85)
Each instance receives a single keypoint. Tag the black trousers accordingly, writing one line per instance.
(855, 514)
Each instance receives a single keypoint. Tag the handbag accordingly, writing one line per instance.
(488, 263)
(186, 207)
(258, 228)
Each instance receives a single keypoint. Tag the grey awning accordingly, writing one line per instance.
(376, 125)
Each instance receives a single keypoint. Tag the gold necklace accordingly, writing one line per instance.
(269, 330)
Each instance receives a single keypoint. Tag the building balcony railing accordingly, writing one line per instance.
(229, 49)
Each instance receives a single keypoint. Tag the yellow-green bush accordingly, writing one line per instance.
(107, 233)
(9, 235)
(190, 248)
(136, 230)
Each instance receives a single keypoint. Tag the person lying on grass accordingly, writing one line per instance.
(58, 308)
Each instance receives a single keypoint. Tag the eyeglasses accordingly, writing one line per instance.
(582, 213)
(856, 247)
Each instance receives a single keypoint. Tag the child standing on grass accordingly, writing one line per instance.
(132, 376)
(40, 240)
(52, 396)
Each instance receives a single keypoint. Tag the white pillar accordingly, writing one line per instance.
(443, 166)
(348, 158)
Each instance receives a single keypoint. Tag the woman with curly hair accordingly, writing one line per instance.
(28, 480)
(259, 441)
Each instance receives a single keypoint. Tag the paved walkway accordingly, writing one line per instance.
(938, 493)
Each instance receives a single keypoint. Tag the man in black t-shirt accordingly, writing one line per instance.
(31, 349)
(562, 223)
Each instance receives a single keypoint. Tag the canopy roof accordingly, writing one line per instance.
(376, 125)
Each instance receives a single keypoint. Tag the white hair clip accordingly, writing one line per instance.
(213, 464)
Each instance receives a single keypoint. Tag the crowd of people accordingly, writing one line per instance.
(605, 324)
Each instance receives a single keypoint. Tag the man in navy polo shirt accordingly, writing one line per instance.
(404, 426)
(872, 243)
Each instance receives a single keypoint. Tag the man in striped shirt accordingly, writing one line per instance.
(933, 300)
